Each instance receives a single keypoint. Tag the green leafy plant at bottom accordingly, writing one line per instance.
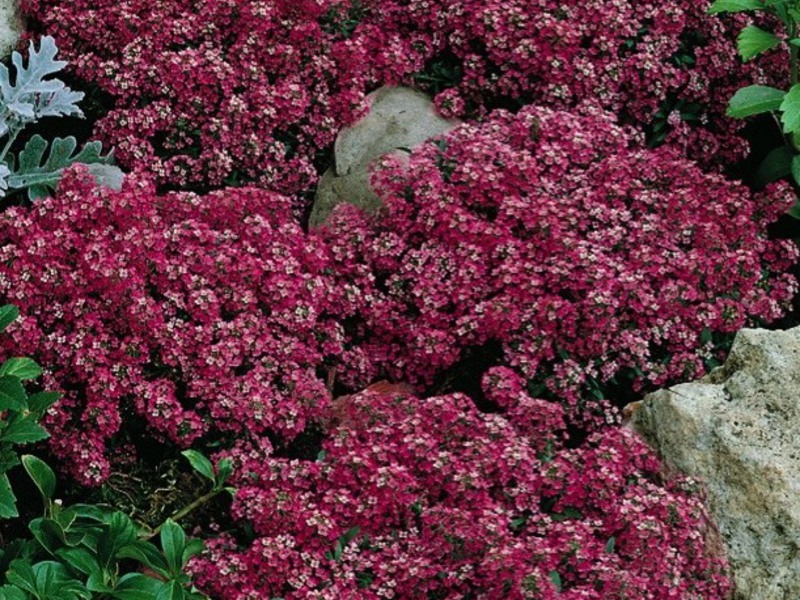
(84, 551)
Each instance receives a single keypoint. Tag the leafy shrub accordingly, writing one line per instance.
(428, 498)
(198, 316)
(585, 256)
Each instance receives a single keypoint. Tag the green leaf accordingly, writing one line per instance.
(193, 548)
(80, 559)
(796, 169)
(610, 544)
(147, 554)
(754, 100)
(790, 107)
(8, 592)
(8, 314)
(200, 464)
(136, 586)
(39, 177)
(23, 430)
(22, 368)
(42, 475)
(47, 580)
(556, 579)
(776, 165)
(795, 210)
(120, 531)
(8, 502)
(12, 394)
(48, 533)
(39, 403)
(753, 41)
(224, 471)
(173, 543)
(171, 590)
(732, 6)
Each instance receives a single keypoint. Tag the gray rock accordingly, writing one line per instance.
(11, 26)
(399, 119)
(738, 431)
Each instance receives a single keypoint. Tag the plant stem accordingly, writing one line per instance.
(185, 511)
(11, 137)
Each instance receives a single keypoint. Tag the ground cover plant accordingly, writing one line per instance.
(531, 272)
(220, 92)
(586, 256)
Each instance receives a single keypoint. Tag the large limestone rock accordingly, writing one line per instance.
(738, 431)
(399, 119)
(11, 26)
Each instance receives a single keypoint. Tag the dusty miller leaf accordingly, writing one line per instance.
(31, 97)
(40, 176)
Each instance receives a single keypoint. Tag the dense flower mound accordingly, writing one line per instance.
(429, 498)
(220, 91)
(214, 91)
(585, 255)
(667, 67)
(201, 315)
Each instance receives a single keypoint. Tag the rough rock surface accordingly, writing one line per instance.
(399, 119)
(738, 431)
(11, 26)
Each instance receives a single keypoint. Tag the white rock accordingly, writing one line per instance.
(399, 119)
(738, 431)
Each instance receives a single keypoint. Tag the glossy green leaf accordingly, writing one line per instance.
(21, 367)
(796, 169)
(8, 502)
(12, 394)
(776, 165)
(754, 100)
(136, 586)
(731, 6)
(147, 554)
(8, 314)
(200, 464)
(790, 107)
(42, 475)
(753, 41)
(173, 543)
(120, 532)
(79, 559)
(23, 430)
(8, 592)
(49, 533)
(38, 403)
(171, 590)
(224, 471)
(193, 548)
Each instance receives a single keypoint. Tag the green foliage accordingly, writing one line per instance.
(81, 552)
(32, 97)
(757, 99)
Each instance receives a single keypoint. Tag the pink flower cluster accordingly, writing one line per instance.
(429, 498)
(554, 234)
(201, 315)
(214, 92)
